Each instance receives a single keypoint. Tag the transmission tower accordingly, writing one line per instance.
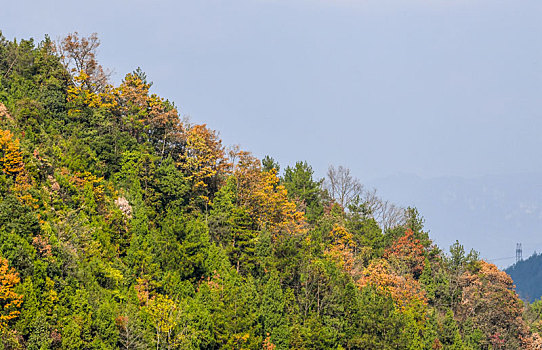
(519, 253)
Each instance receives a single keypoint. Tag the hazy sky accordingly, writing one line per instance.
(428, 87)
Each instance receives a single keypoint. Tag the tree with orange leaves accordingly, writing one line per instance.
(408, 250)
(12, 165)
(163, 125)
(78, 55)
(490, 301)
(133, 96)
(10, 301)
(404, 290)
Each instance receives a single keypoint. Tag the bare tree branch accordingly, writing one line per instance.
(78, 55)
(346, 190)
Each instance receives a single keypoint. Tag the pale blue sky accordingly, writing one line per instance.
(427, 87)
(424, 87)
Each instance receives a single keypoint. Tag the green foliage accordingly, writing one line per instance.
(128, 229)
(302, 187)
(272, 313)
(268, 163)
(233, 227)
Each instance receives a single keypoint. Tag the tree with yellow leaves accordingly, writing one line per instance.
(12, 166)
(164, 314)
(341, 249)
(11, 158)
(267, 201)
(80, 97)
(10, 301)
(203, 160)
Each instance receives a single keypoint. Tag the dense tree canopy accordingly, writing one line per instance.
(123, 226)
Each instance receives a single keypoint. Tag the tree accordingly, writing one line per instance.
(489, 299)
(274, 321)
(405, 290)
(11, 159)
(342, 186)
(268, 203)
(389, 215)
(348, 192)
(164, 315)
(131, 329)
(269, 163)
(133, 97)
(457, 264)
(78, 55)
(301, 186)
(232, 226)
(449, 335)
(374, 322)
(408, 251)
(203, 161)
(10, 301)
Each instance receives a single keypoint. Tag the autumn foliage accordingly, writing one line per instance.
(267, 200)
(404, 289)
(489, 300)
(11, 158)
(409, 251)
(204, 158)
(10, 301)
(126, 226)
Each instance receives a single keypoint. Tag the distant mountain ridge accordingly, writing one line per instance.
(527, 276)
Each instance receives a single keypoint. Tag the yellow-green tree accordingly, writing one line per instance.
(164, 315)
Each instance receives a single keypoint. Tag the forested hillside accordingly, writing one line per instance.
(124, 226)
(527, 275)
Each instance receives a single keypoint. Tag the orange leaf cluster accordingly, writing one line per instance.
(9, 300)
(142, 290)
(11, 164)
(410, 251)
(404, 290)
(267, 201)
(267, 344)
(489, 299)
(42, 245)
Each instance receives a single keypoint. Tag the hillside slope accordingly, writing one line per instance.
(122, 226)
(527, 276)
